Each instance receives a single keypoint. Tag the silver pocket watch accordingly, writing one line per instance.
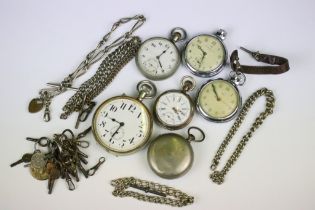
(170, 155)
(206, 54)
(158, 58)
(174, 109)
(123, 124)
(219, 100)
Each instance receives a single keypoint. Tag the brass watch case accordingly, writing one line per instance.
(148, 132)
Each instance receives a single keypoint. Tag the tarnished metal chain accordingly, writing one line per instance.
(218, 176)
(47, 94)
(106, 72)
(99, 52)
(164, 194)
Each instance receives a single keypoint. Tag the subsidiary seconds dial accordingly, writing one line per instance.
(158, 58)
(205, 54)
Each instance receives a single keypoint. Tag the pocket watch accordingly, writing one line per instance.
(205, 54)
(170, 155)
(174, 109)
(158, 58)
(123, 124)
(219, 100)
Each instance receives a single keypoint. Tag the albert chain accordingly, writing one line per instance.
(218, 176)
(161, 191)
(92, 57)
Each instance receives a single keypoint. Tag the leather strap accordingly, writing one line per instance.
(280, 64)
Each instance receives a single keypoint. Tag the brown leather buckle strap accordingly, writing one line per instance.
(281, 64)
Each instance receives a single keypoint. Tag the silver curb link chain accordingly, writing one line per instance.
(47, 94)
(106, 72)
(161, 191)
(218, 176)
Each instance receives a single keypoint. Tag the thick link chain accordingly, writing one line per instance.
(100, 50)
(218, 176)
(47, 94)
(162, 191)
(106, 72)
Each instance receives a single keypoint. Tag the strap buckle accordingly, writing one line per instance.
(255, 55)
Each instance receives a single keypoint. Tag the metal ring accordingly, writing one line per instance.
(64, 133)
(194, 138)
(184, 83)
(237, 77)
(221, 34)
(43, 141)
(82, 144)
(182, 34)
(147, 87)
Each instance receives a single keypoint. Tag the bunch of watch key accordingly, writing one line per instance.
(123, 124)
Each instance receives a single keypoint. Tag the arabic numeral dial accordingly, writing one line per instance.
(122, 124)
(158, 58)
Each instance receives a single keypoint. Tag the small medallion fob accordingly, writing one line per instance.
(35, 105)
(158, 58)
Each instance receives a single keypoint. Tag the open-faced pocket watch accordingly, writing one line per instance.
(123, 124)
(158, 58)
(174, 109)
(219, 100)
(205, 54)
(170, 155)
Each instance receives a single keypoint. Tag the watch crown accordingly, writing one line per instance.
(221, 34)
(178, 34)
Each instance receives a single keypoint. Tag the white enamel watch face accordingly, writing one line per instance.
(158, 58)
(205, 55)
(218, 100)
(122, 125)
(173, 109)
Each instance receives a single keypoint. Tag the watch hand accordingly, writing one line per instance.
(200, 48)
(182, 112)
(158, 58)
(200, 62)
(175, 110)
(116, 132)
(215, 92)
(203, 55)
(162, 53)
(160, 64)
(114, 120)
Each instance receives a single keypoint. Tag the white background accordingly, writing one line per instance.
(43, 41)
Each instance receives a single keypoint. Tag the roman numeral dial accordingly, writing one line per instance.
(174, 109)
